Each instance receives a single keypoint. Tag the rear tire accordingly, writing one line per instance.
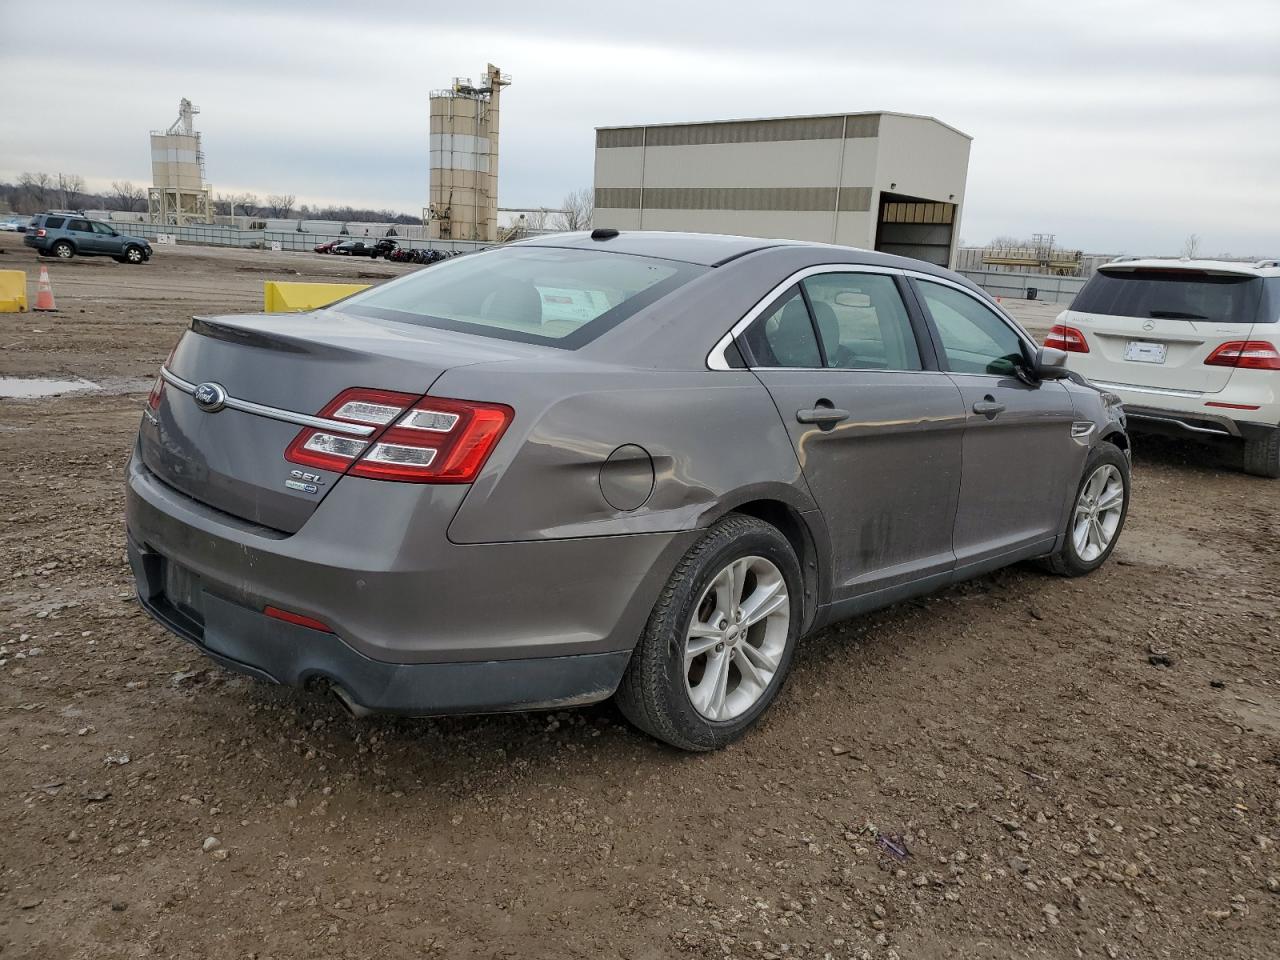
(1262, 455)
(63, 250)
(751, 657)
(1106, 463)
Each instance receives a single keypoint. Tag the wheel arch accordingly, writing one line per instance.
(804, 530)
(1117, 438)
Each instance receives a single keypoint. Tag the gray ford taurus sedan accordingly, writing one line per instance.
(639, 465)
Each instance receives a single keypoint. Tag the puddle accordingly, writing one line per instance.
(18, 388)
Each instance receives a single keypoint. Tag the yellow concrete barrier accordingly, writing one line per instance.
(282, 296)
(13, 291)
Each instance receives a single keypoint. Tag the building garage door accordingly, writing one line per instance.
(911, 227)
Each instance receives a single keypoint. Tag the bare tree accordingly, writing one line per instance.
(576, 210)
(38, 186)
(248, 204)
(71, 186)
(535, 220)
(281, 204)
(126, 195)
(1191, 246)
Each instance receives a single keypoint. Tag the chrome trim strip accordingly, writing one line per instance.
(1134, 415)
(275, 413)
(1081, 431)
(1158, 391)
(716, 360)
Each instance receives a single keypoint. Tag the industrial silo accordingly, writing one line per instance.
(463, 202)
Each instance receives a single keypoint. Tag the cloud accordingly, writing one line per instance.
(1114, 125)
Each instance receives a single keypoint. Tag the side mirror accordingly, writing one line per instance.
(1051, 364)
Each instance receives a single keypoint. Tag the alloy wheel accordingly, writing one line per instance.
(1099, 509)
(736, 639)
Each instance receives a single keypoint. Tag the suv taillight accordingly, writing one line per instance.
(434, 440)
(40, 232)
(1062, 337)
(1245, 355)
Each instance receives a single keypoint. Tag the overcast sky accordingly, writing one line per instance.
(1121, 126)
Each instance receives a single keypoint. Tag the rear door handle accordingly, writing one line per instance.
(825, 417)
(989, 408)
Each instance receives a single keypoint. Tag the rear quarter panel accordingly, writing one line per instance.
(714, 438)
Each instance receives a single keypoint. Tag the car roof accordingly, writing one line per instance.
(1259, 268)
(716, 249)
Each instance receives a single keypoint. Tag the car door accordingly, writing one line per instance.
(105, 238)
(80, 232)
(878, 432)
(1019, 455)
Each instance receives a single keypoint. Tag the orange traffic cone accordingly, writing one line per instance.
(44, 292)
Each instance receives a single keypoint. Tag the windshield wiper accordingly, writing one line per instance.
(1175, 315)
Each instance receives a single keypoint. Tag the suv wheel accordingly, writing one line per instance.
(1262, 455)
(718, 645)
(63, 250)
(133, 253)
(1101, 505)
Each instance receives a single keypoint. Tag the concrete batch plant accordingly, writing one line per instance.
(884, 181)
(178, 194)
(463, 202)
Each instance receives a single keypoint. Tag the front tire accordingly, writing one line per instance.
(718, 645)
(1097, 514)
(133, 254)
(1262, 455)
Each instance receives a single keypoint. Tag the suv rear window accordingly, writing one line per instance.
(54, 223)
(1171, 295)
(559, 297)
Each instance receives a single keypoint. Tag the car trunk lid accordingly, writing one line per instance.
(1152, 327)
(275, 370)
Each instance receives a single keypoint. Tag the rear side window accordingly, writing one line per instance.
(862, 322)
(783, 335)
(54, 223)
(1171, 295)
(559, 297)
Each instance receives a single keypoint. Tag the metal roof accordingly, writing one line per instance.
(803, 116)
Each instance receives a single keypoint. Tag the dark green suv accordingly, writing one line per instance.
(64, 235)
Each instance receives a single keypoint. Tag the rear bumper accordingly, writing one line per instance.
(420, 625)
(249, 642)
(1157, 420)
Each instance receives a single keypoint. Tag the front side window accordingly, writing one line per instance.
(974, 338)
(101, 228)
(783, 335)
(862, 321)
(549, 295)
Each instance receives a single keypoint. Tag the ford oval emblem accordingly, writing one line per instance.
(210, 397)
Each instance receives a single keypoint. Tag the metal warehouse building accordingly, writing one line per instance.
(884, 181)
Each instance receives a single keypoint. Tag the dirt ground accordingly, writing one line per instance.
(1061, 793)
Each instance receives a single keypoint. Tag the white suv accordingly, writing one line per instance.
(1191, 346)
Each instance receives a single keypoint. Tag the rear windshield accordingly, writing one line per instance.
(559, 297)
(1171, 295)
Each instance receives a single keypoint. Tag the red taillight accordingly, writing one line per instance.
(40, 232)
(1062, 337)
(435, 440)
(289, 617)
(157, 392)
(1245, 355)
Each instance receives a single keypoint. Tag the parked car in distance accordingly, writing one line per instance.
(590, 463)
(360, 248)
(327, 246)
(1191, 346)
(65, 235)
(14, 224)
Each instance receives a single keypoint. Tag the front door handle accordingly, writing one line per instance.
(824, 417)
(989, 408)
